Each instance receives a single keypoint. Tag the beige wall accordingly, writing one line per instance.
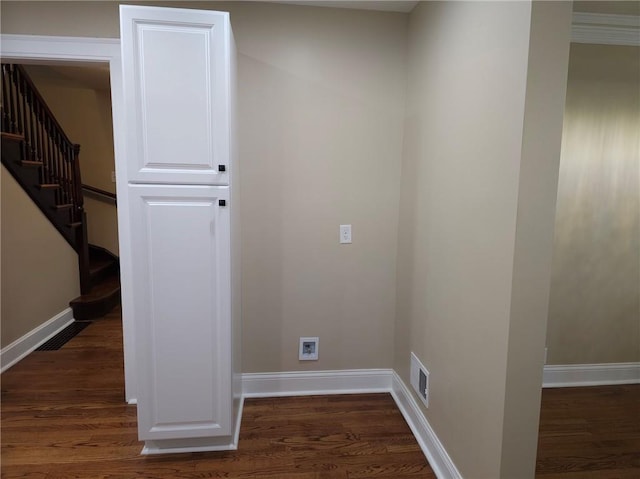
(321, 107)
(538, 181)
(39, 268)
(321, 99)
(85, 115)
(321, 111)
(459, 256)
(594, 312)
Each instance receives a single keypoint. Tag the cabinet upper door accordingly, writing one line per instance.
(176, 67)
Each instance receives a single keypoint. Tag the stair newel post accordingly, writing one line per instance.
(82, 239)
(60, 165)
(83, 254)
(76, 180)
(64, 164)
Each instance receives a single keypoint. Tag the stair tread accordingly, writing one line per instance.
(98, 252)
(108, 287)
(105, 294)
(74, 225)
(12, 136)
(31, 163)
(48, 186)
(98, 264)
(60, 207)
(28, 179)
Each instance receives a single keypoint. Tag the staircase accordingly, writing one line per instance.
(104, 295)
(42, 159)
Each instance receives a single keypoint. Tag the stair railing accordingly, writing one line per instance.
(102, 195)
(25, 113)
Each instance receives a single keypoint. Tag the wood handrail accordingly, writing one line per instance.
(98, 191)
(50, 116)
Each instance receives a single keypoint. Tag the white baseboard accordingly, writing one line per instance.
(306, 383)
(572, 375)
(18, 349)
(356, 381)
(431, 446)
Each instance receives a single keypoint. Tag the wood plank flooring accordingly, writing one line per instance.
(64, 416)
(590, 432)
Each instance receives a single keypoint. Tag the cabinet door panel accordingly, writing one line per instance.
(181, 285)
(175, 65)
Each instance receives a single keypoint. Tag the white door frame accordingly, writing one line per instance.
(48, 49)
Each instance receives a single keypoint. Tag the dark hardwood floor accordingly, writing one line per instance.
(63, 416)
(590, 432)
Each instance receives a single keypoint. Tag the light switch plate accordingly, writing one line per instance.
(345, 234)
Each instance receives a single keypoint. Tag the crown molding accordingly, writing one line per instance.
(605, 29)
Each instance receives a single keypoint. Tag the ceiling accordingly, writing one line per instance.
(609, 8)
(384, 6)
(624, 7)
(95, 76)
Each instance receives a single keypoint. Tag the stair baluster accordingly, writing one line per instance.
(46, 168)
(15, 98)
(8, 101)
(22, 113)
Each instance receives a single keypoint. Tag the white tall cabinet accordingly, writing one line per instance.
(180, 263)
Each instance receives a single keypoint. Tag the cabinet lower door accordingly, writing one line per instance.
(181, 289)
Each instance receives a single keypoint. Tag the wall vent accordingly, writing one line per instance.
(420, 379)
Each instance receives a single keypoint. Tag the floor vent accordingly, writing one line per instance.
(63, 336)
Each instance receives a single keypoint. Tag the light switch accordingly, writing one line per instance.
(345, 234)
(113, 177)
